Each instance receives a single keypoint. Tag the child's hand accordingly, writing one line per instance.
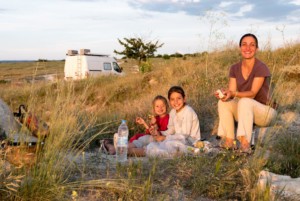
(156, 134)
(140, 121)
(152, 119)
(159, 138)
(153, 130)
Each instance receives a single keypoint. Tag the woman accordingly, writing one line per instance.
(247, 99)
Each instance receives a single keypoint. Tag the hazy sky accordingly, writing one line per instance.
(46, 29)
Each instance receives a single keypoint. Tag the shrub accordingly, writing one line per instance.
(285, 159)
(145, 67)
(165, 56)
(177, 55)
(42, 60)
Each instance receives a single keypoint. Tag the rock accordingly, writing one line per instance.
(22, 155)
(280, 184)
(8, 124)
(10, 128)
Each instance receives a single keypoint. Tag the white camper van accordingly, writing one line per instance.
(85, 64)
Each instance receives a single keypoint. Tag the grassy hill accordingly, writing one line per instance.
(23, 71)
(80, 113)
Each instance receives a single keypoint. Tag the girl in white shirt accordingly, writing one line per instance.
(183, 127)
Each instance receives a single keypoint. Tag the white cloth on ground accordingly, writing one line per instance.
(172, 145)
(143, 141)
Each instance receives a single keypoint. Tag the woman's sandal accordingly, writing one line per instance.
(246, 149)
(224, 145)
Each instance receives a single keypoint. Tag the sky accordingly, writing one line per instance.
(46, 29)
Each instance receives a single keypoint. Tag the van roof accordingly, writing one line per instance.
(86, 52)
(97, 55)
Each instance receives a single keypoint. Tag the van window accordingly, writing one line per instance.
(107, 66)
(117, 67)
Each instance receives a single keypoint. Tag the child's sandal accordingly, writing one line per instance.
(105, 146)
(102, 147)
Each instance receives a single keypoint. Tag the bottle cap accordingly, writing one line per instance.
(123, 121)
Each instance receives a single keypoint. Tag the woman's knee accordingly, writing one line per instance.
(245, 102)
(226, 105)
(222, 104)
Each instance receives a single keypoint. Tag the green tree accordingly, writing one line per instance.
(137, 48)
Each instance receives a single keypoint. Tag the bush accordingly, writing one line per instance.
(165, 56)
(42, 60)
(145, 67)
(177, 55)
(286, 159)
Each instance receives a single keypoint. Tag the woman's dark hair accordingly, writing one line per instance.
(251, 35)
(163, 99)
(176, 89)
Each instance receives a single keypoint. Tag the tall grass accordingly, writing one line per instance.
(69, 123)
(80, 113)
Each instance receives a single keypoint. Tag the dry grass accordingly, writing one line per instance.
(14, 72)
(81, 112)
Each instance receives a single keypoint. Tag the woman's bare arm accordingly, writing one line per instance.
(232, 89)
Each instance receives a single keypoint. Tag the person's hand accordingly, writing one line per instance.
(153, 130)
(224, 95)
(152, 119)
(140, 120)
(227, 95)
(219, 94)
(159, 138)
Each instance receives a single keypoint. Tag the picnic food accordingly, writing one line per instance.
(221, 95)
(150, 116)
(192, 150)
(199, 144)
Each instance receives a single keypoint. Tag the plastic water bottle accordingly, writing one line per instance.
(122, 142)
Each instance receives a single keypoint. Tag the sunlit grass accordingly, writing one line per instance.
(80, 113)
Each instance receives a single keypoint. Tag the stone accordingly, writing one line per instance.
(280, 184)
(8, 124)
